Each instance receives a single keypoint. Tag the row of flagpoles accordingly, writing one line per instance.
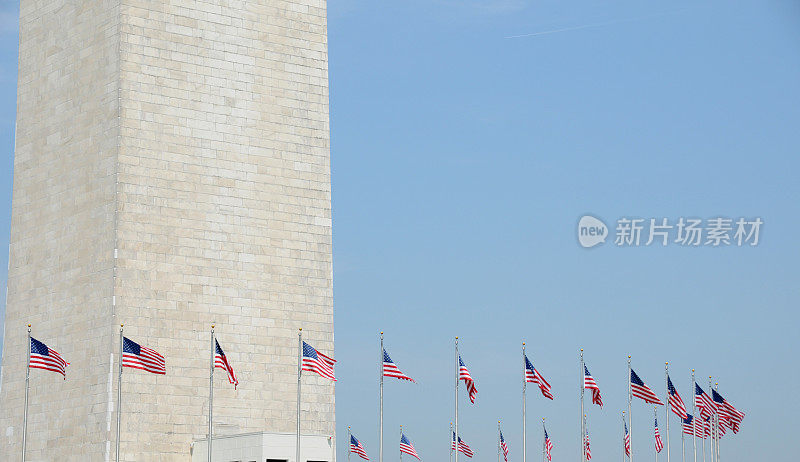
(136, 356)
(716, 412)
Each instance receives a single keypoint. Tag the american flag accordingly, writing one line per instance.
(548, 446)
(463, 374)
(533, 375)
(503, 447)
(406, 446)
(727, 412)
(640, 390)
(659, 443)
(314, 361)
(357, 448)
(462, 446)
(692, 427)
(706, 426)
(221, 362)
(589, 383)
(703, 402)
(390, 368)
(675, 401)
(139, 357)
(46, 358)
(627, 439)
(587, 446)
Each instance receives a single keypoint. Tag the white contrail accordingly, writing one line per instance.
(598, 24)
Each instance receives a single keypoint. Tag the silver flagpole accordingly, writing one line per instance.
(716, 387)
(704, 440)
(623, 436)
(401, 437)
(348, 443)
(694, 421)
(667, 405)
(683, 452)
(544, 442)
(498, 441)
(299, 374)
(713, 427)
(211, 395)
(451, 435)
(119, 388)
(455, 440)
(27, 387)
(380, 413)
(583, 419)
(524, 406)
(630, 398)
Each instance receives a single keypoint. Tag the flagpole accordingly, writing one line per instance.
(299, 374)
(704, 441)
(119, 388)
(498, 441)
(623, 436)
(380, 413)
(667, 405)
(713, 427)
(401, 437)
(683, 451)
(694, 421)
(349, 439)
(455, 440)
(451, 435)
(544, 441)
(524, 407)
(211, 395)
(716, 388)
(583, 419)
(630, 416)
(27, 387)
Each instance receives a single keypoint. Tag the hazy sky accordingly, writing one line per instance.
(467, 139)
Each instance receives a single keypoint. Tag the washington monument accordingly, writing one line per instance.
(171, 170)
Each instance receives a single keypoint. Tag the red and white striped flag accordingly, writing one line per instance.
(587, 447)
(462, 447)
(390, 369)
(548, 446)
(139, 357)
(640, 390)
(659, 443)
(463, 374)
(503, 447)
(42, 357)
(314, 361)
(589, 383)
(357, 448)
(408, 448)
(533, 375)
(675, 401)
(221, 362)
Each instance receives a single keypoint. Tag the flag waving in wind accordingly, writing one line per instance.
(548, 446)
(42, 357)
(703, 402)
(357, 448)
(390, 369)
(221, 362)
(590, 384)
(727, 413)
(407, 448)
(675, 401)
(463, 374)
(462, 446)
(503, 447)
(640, 390)
(659, 443)
(314, 361)
(139, 357)
(533, 375)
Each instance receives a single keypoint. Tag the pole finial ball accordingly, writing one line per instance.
(666, 362)
(213, 325)
(29, 325)
(692, 370)
(629, 356)
(300, 329)
(381, 332)
(456, 337)
(122, 325)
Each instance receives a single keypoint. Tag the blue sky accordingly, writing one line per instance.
(468, 138)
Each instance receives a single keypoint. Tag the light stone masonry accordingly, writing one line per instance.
(193, 137)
